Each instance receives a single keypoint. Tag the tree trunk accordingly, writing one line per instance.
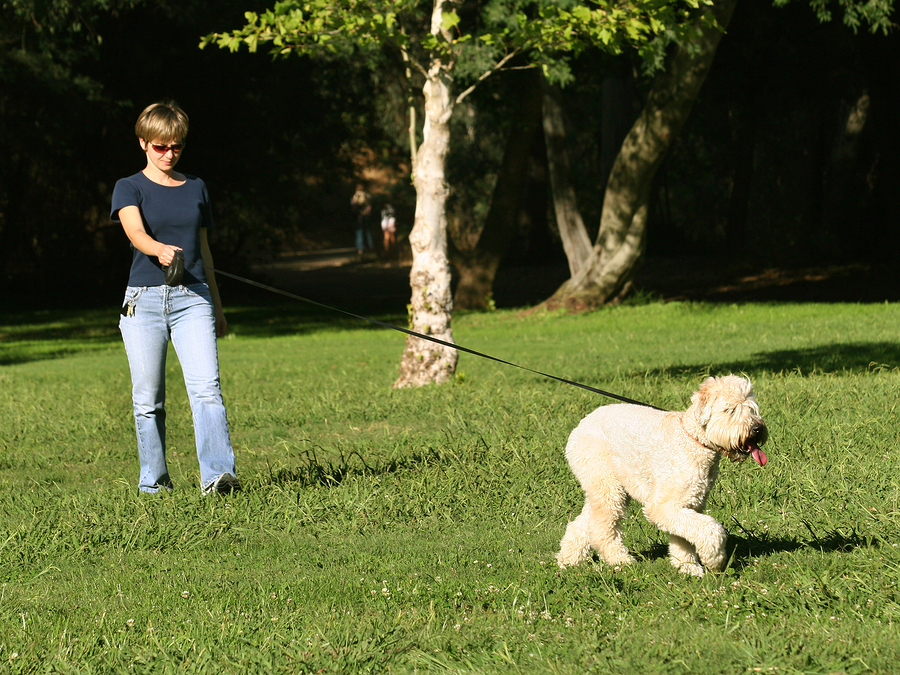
(617, 98)
(742, 178)
(847, 183)
(431, 304)
(572, 231)
(622, 237)
(477, 267)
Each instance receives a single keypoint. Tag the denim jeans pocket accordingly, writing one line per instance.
(200, 289)
(132, 293)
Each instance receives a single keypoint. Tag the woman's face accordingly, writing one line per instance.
(163, 155)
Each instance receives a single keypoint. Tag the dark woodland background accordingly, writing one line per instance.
(790, 158)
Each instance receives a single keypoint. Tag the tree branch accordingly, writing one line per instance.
(413, 149)
(486, 74)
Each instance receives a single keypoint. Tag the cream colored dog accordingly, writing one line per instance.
(668, 461)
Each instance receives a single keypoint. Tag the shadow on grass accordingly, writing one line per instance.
(262, 321)
(742, 550)
(51, 334)
(855, 356)
(311, 471)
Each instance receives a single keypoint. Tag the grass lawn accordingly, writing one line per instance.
(411, 531)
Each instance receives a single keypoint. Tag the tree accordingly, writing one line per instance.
(604, 273)
(450, 46)
(605, 270)
(478, 248)
(569, 222)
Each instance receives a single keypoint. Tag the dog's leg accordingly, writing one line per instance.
(704, 532)
(575, 546)
(683, 556)
(606, 504)
(597, 526)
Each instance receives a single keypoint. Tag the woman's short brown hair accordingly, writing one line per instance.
(164, 121)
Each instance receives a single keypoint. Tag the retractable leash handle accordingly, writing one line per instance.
(175, 269)
(430, 338)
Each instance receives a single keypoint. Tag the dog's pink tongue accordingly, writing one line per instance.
(758, 455)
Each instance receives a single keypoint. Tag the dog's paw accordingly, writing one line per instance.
(575, 547)
(714, 563)
(617, 558)
(711, 547)
(568, 558)
(685, 567)
(715, 559)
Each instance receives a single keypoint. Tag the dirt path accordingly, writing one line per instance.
(340, 276)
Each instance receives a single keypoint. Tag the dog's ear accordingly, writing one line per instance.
(744, 384)
(702, 399)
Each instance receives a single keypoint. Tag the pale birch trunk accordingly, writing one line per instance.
(622, 237)
(431, 304)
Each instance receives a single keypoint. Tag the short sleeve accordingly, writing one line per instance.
(205, 210)
(124, 194)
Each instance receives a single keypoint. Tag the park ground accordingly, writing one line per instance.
(341, 276)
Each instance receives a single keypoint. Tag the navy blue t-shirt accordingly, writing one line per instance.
(172, 214)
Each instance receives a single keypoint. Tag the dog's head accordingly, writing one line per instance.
(728, 414)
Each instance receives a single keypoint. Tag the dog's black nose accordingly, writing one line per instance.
(759, 434)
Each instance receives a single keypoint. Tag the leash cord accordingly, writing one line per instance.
(431, 338)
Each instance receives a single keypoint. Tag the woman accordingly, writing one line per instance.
(361, 203)
(166, 215)
(389, 227)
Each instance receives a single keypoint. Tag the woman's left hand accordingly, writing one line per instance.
(221, 324)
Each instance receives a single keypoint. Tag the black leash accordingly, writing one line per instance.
(430, 338)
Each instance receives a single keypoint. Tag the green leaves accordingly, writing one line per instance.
(876, 14)
(449, 20)
(303, 27)
(546, 32)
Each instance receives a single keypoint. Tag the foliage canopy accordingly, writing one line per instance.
(546, 33)
(876, 14)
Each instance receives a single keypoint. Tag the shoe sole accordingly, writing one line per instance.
(224, 484)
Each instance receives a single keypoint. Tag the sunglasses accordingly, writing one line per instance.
(163, 149)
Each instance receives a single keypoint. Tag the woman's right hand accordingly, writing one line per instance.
(166, 253)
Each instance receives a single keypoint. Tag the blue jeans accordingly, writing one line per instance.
(363, 236)
(151, 316)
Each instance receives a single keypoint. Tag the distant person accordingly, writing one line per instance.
(388, 227)
(166, 216)
(361, 204)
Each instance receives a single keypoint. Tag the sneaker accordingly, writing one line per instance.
(222, 485)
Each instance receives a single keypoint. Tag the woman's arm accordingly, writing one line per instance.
(221, 323)
(133, 224)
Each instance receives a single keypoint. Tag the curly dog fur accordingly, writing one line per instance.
(668, 461)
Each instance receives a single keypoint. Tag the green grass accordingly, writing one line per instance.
(414, 531)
